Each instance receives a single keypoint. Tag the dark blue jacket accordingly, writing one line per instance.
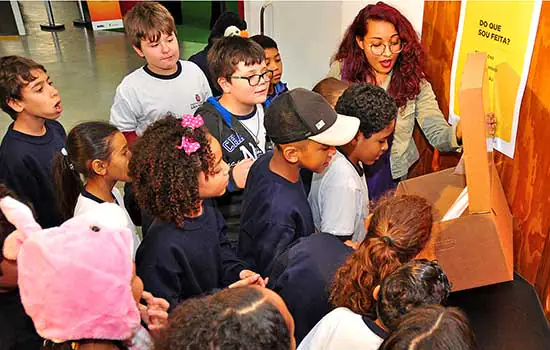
(303, 275)
(275, 213)
(26, 168)
(179, 263)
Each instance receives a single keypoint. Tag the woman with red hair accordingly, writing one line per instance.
(381, 47)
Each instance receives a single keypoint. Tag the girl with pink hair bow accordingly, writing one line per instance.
(176, 169)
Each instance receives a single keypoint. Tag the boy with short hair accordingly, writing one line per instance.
(305, 131)
(339, 197)
(34, 138)
(165, 84)
(236, 119)
(274, 63)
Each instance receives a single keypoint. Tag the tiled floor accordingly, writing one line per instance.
(85, 66)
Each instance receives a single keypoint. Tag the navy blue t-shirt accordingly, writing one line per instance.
(26, 168)
(275, 213)
(303, 276)
(178, 263)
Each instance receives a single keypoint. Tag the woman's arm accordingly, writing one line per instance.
(439, 133)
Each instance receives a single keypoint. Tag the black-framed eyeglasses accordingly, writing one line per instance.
(254, 79)
(379, 49)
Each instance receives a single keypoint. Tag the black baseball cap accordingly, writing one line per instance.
(300, 114)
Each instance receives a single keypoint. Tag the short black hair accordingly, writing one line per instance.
(432, 327)
(234, 318)
(227, 52)
(265, 41)
(419, 282)
(371, 104)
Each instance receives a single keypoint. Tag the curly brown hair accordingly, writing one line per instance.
(165, 178)
(399, 229)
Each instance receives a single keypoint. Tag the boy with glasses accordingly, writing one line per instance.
(236, 118)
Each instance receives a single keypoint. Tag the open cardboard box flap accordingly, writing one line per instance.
(475, 249)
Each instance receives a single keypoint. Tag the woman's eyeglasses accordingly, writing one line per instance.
(379, 49)
(254, 79)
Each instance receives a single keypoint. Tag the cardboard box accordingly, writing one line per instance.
(475, 249)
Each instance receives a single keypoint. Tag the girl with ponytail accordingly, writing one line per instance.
(398, 230)
(98, 153)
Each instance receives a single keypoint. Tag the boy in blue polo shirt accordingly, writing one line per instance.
(275, 212)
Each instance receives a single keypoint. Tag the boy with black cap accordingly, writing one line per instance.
(275, 212)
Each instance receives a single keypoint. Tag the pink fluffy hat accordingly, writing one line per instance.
(74, 279)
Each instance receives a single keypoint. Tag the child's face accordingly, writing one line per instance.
(241, 90)
(117, 168)
(315, 156)
(161, 55)
(370, 150)
(38, 98)
(274, 63)
(215, 184)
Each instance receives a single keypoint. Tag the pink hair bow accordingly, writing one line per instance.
(189, 144)
(190, 121)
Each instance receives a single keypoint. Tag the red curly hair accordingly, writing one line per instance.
(399, 229)
(408, 71)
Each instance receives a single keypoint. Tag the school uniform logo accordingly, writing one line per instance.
(198, 103)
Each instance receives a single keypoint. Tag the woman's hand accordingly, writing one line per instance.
(250, 278)
(490, 120)
(154, 314)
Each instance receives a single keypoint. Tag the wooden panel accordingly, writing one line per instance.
(526, 178)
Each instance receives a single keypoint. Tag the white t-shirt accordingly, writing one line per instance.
(339, 199)
(254, 124)
(87, 202)
(144, 97)
(343, 329)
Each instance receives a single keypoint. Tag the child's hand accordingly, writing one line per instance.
(240, 172)
(155, 314)
(250, 278)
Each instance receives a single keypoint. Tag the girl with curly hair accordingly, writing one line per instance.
(381, 47)
(320, 262)
(414, 284)
(399, 229)
(177, 166)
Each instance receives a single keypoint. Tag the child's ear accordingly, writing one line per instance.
(138, 51)
(16, 105)
(99, 167)
(376, 292)
(290, 153)
(225, 85)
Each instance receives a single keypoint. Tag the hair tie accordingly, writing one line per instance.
(387, 240)
(64, 152)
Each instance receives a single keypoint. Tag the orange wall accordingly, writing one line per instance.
(526, 178)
